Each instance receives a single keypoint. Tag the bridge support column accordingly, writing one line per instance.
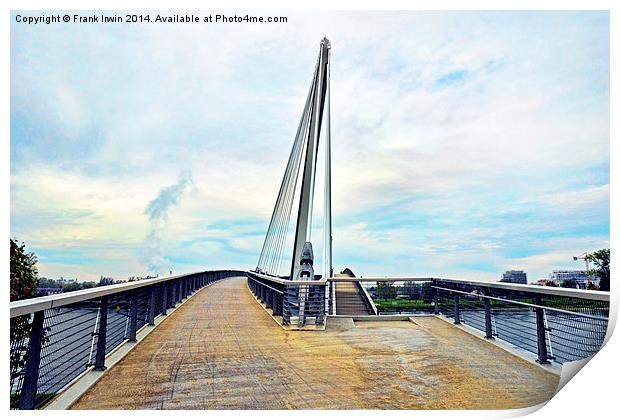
(271, 299)
(457, 309)
(28, 395)
(133, 316)
(101, 334)
(540, 333)
(152, 306)
(164, 291)
(277, 304)
(488, 326)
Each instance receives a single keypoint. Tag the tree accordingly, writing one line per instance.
(410, 290)
(23, 272)
(71, 287)
(23, 286)
(600, 259)
(570, 283)
(386, 290)
(105, 281)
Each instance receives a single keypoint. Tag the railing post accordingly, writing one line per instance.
(173, 288)
(133, 316)
(540, 333)
(487, 316)
(152, 307)
(164, 310)
(457, 309)
(277, 304)
(101, 334)
(28, 395)
(435, 300)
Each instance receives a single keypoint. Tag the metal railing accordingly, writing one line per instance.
(55, 339)
(553, 323)
(299, 302)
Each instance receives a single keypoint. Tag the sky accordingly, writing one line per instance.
(464, 144)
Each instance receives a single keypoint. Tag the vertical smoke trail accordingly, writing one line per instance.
(157, 211)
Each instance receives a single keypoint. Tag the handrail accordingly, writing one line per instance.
(272, 288)
(516, 302)
(367, 299)
(275, 279)
(27, 306)
(530, 288)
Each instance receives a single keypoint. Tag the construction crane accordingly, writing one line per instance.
(584, 257)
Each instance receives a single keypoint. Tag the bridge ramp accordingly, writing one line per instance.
(349, 300)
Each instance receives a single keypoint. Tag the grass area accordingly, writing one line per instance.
(391, 305)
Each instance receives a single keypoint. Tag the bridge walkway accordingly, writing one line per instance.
(221, 350)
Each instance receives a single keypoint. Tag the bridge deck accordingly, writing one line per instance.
(221, 350)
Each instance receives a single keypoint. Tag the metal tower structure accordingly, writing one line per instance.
(315, 120)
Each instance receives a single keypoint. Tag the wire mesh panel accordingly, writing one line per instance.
(513, 321)
(577, 335)
(143, 297)
(471, 311)
(118, 320)
(68, 336)
(553, 327)
(19, 340)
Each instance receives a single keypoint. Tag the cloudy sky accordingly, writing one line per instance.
(464, 144)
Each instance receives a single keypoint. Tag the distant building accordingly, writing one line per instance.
(514, 276)
(580, 277)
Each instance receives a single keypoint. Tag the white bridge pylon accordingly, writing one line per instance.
(315, 121)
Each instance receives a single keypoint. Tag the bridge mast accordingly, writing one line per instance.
(327, 206)
(304, 216)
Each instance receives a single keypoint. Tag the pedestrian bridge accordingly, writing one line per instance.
(283, 336)
(222, 350)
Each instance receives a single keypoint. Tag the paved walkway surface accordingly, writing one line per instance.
(221, 350)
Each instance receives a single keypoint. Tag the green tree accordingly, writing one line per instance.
(71, 286)
(600, 259)
(570, 283)
(105, 281)
(23, 286)
(386, 290)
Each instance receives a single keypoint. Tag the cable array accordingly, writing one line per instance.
(270, 258)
